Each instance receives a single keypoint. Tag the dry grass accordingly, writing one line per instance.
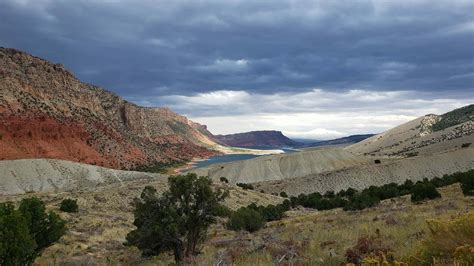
(305, 237)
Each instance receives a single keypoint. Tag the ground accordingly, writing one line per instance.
(305, 237)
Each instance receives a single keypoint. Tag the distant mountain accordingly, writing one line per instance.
(266, 138)
(345, 140)
(305, 141)
(45, 112)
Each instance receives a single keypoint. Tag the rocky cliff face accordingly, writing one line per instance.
(45, 112)
(267, 138)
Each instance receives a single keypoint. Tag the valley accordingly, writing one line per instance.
(61, 138)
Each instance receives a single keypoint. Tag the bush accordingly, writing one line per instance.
(412, 154)
(246, 219)
(283, 194)
(465, 145)
(366, 246)
(25, 232)
(377, 161)
(467, 182)
(224, 179)
(270, 212)
(245, 186)
(17, 245)
(222, 211)
(69, 205)
(178, 220)
(422, 191)
(361, 201)
(449, 240)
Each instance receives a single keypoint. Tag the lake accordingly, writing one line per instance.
(234, 157)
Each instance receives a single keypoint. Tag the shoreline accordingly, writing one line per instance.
(225, 151)
(186, 166)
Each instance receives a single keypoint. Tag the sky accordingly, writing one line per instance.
(312, 69)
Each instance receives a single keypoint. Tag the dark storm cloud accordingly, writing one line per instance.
(154, 48)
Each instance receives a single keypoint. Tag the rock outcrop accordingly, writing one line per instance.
(45, 112)
(420, 136)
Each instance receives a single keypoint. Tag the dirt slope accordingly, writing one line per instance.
(282, 166)
(47, 175)
(390, 170)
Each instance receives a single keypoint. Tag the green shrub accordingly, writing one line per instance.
(424, 190)
(467, 182)
(283, 194)
(465, 145)
(69, 205)
(246, 219)
(224, 179)
(270, 212)
(360, 201)
(25, 232)
(222, 211)
(176, 221)
(17, 245)
(245, 186)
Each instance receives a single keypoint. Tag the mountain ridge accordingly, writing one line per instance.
(260, 138)
(46, 112)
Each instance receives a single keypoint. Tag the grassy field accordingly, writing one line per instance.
(304, 237)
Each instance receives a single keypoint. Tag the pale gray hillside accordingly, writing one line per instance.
(33, 175)
(415, 137)
(282, 166)
(390, 170)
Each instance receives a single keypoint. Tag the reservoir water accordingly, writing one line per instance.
(234, 157)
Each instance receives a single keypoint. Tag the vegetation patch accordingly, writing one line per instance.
(178, 220)
(245, 186)
(455, 117)
(423, 191)
(465, 145)
(69, 205)
(450, 242)
(26, 231)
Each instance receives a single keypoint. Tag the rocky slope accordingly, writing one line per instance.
(45, 112)
(266, 138)
(424, 135)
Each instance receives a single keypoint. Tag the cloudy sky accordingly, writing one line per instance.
(313, 69)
